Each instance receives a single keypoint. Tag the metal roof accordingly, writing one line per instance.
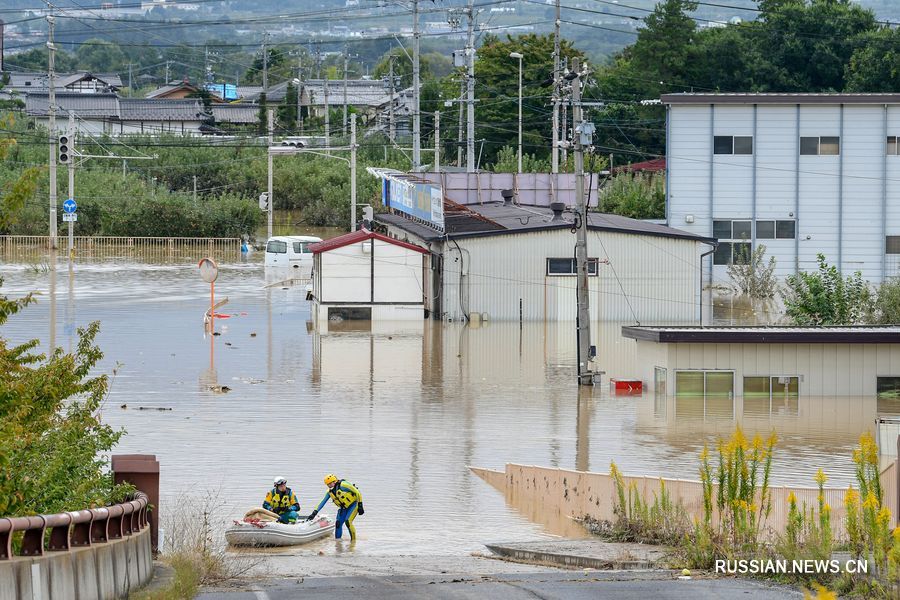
(497, 218)
(24, 82)
(765, 335)
(780, 98)
(359, 236)
(168, 89)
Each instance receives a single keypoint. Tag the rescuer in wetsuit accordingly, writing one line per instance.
(348, 500)
(281, 500)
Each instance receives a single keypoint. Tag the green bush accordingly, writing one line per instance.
(637, 196)
(825, 297)
(887, 303)
(52, 442)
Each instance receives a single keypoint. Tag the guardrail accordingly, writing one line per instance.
(32, 248)
(74, 529)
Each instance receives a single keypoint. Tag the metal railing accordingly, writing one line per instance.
(35, 248)
(74, 529)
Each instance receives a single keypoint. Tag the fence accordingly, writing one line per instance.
(101, 553)
(580, 493)
(35, 248)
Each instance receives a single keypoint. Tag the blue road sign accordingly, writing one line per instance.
(69, 206)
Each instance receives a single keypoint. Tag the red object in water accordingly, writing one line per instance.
(626, 386)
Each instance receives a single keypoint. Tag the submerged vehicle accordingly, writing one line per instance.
(260, 527)
(290, 251)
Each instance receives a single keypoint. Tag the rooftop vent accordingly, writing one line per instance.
(507, 196)
(557, 208)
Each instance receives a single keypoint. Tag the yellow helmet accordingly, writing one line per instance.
(330, 478)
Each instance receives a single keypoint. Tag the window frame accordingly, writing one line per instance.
(282, 242)
(732, 241)
(593, 267)
(719, 148)
(895, 141)
(819, 145)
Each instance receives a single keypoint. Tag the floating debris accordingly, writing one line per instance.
(219, 389)
(160, 408)
(252, 334)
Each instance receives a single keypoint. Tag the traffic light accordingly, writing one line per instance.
(64, 154)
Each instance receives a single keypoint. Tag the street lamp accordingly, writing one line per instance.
(519, 56)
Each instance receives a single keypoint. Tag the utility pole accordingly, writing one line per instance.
(417, 122)
(300, 92)
(71, 133)
(353, 172)
(195, 189)
(564, 125)
(167, 73)
(131, 81)
(51, 110)
(271, 119)
(437, 141)
(459, 133)
(585, 376)
(266, 65)
(470, 90)
(344, 122)
(327, 115)
(392, 132)
(554, 152)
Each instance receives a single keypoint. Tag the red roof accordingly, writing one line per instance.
(649, 166)
(359, 236)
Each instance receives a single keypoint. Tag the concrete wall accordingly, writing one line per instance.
(99, 572)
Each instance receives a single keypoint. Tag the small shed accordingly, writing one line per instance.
(364, 275)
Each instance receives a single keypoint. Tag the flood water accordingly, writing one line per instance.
(400, 411)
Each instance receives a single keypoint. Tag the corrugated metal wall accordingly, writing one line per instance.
(827, 369)
(649, 279)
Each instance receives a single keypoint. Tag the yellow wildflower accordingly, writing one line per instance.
(826, 509)
(884, 516)
(792, 499)
(821, 478)
(822, 593)
(871, 501)
(851, 498)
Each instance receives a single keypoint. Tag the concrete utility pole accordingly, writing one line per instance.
(392, 132)
(581, 257)
(300, 92)
(519, 56)
(266, 65)
(459, 134)
(167, 73)
(470, 90)
(71, 132)
(437, 141)
(554, 152)
(346, 61)
(564, 125)
(327, 115)
(51, 111)
(271, 127)
(353, 172)
(417, 121)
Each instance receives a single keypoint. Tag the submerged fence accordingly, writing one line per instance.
(537, 490)
(36, 248)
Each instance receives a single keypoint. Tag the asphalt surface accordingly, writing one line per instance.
(556, 585)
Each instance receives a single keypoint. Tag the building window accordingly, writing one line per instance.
(770, 230)
(704, 384)
(888, 387)
(825, 145)
(734, 242)
(565, 267)
(276, 247)
(892, 244)
(727, 144)
(892, 146)
(777, 387)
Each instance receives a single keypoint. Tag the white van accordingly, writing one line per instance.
(290, 251)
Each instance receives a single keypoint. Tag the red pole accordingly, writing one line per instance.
(212, 307)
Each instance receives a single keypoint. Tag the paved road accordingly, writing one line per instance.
(531, 586)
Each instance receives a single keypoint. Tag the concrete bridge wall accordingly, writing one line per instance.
(102, 571)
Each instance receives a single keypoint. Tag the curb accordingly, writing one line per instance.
(570, 561)
(163, 576)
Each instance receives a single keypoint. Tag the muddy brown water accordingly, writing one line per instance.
(401, 411)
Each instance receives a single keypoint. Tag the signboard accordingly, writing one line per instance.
(225, 91)
(69, 206)
(70, 217)
(209, 270)
(413, 196)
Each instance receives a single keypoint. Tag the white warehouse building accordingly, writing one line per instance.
(504, 261)
(802, 174)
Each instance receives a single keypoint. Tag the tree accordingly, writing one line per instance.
(262, 116)
(825, 297)
(875, 66)
(278, 67)
(100, 56)
(755, 278)
(287, 112)
(637, 196)
(52, 441)
(497, 77)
